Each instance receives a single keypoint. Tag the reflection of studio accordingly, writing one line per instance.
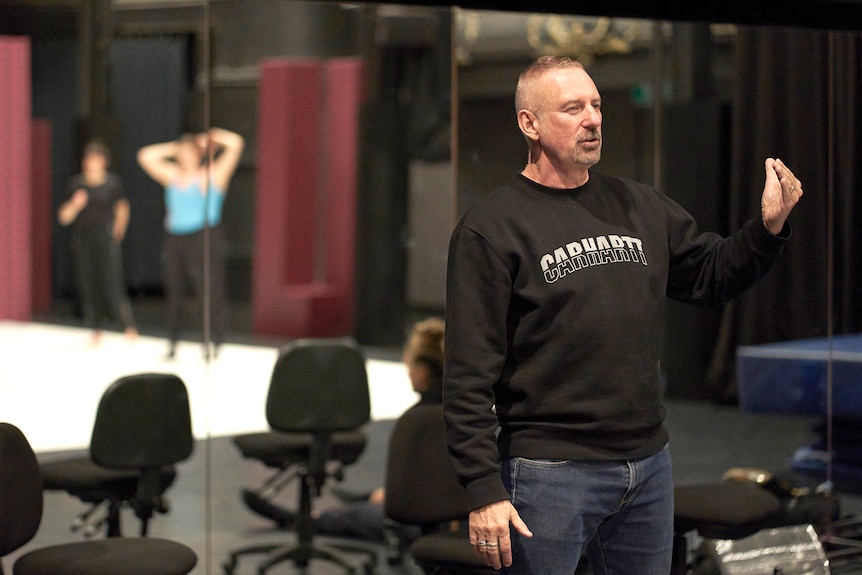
(358, 136)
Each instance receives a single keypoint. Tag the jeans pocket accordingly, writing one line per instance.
(540, 463)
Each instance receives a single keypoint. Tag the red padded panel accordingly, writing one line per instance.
(42, 215)
(308, 117)
(345, 83)
(15, 217)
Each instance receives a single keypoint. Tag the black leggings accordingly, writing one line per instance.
(183, 267)
(99, 273)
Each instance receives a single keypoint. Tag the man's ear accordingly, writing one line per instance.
(527, 123)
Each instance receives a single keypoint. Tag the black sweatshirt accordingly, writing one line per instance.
(554, 312)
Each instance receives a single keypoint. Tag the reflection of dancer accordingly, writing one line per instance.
(362, 516)
(98, 211)
(192, 207)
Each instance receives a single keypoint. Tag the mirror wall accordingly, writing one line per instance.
(692, 108)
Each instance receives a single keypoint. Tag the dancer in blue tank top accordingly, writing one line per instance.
(195, 171)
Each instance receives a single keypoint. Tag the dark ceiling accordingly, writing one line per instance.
(823, 14)
(23, 16)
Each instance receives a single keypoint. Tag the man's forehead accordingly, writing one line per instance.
(569, 83)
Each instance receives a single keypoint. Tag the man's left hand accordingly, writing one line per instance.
(780, 194)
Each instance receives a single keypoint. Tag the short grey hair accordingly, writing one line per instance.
(524, 98)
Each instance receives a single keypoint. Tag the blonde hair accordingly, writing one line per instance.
(525, 96)
(425, 345)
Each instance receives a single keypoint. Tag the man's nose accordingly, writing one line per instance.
(593, 117)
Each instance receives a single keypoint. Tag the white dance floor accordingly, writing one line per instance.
(52, 377)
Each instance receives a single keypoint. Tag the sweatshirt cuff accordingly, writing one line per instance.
(485, 490)
(763, 241)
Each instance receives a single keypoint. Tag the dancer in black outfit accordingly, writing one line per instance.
(98, 211)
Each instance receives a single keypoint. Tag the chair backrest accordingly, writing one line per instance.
(318, 386)
(421, 485)
(20, 490)
(143, 421)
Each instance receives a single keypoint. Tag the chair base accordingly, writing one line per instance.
(302, 553)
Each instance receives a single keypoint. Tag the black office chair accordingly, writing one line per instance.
(316, 406)
(21, 513)
(725, 510)
(423, 490)
(734, 509)
(142, 428)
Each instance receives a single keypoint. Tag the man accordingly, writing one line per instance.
(555, 295)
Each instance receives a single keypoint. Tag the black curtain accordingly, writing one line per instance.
(408, 120)
(54, 76)
(150, 86)
(798, 98)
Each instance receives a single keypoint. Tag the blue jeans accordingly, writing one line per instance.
(620, 513)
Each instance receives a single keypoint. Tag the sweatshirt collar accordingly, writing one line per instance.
(523, 182)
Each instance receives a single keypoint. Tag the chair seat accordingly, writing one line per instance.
(126, 555)
(456, 549)
(274, 448)
(726, 510)
(82, 478)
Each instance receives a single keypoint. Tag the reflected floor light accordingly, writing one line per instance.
(52, 377)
